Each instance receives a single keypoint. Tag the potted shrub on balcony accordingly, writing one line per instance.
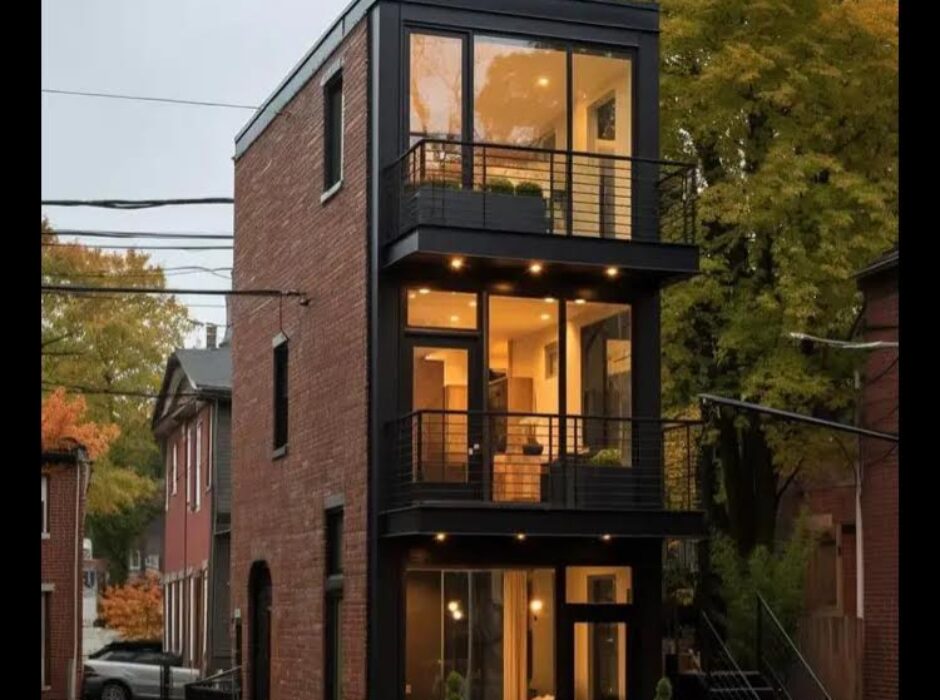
(497, 205)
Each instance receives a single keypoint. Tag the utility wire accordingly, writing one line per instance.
(93, 233)
(844, 344)
(134, 203)
(74, 288)
(138, 247)
(104, 391)
(169, 100)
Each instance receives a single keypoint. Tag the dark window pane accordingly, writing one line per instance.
(280, 395)
(334, 542)
(333, 132)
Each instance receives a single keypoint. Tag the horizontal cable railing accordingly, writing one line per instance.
(723, 676)
(584, 462)
(536, 190)
(225, 685)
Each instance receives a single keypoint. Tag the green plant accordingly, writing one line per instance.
(609, 457)
(529, 189)
(663, 689)
(500, 185)
(454, 686)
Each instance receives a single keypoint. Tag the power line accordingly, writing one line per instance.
(74, 288)
(134, 203)
(138, 247)
(168, 100)
(105, 391)
(92, 233)
(845, 344)
(167, 271)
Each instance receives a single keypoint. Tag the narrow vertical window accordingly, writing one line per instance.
(280, 395)
(45, 506)
(210, 452)
(333, 132)
(189, 466)
(333, 645)
(174, 449)
(197, 486)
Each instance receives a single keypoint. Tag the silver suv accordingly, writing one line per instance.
(132, 672)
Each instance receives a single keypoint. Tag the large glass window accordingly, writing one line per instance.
(440, 385)
(436, 86)
(523, 337)
(599, 372)
(480, 634)
(600, 661)
(599, 584)
(430, 309)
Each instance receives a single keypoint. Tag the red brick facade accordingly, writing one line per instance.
(65, 480)
(285, 238)
(880, 490)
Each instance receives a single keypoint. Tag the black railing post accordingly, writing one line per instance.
(759, 642)
(166, 678)
(569, 204)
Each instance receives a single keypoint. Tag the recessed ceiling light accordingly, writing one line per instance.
(579, 301)
(520, 536)
(605, 537)
(456, 263)
(611, 272)
(424, 290)
(549, 300)
(440, 537)
(535, 268)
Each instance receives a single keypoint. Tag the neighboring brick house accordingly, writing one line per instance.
(145, 555)
(65, 476)
(880, 473)
(438, 479)
(191, 422)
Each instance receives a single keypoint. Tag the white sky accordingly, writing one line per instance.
(234, 51)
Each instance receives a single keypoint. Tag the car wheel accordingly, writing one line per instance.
(115, 691)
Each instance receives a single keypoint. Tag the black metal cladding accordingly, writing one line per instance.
(553, 192)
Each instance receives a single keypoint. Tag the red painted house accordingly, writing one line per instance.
(191, 423)
(65, 474)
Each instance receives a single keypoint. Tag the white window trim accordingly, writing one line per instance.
(134, 557)
(205, 615)
(175, 470)
(45, 507)
(192, 619)
(331, 74)
(197, 486)
(189, 464)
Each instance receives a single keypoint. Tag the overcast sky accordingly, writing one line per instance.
(233, 51)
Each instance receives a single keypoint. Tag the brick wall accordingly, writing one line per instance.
(880, 493)
(285, 238)
(61, 559)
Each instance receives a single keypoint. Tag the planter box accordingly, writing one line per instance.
(441, 206)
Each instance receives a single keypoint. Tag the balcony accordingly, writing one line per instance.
(546, 463)
(581, 209)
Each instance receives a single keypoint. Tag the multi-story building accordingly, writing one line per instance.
(191, 422)
(65, 474)
(146, 551)
(450, 477)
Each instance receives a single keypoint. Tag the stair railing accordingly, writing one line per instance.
(722, 673)
(781, 662)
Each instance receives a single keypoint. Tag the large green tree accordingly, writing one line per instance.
(789, 110)
(95, 344)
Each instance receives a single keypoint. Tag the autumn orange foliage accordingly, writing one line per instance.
(135, 609)
(62, 422)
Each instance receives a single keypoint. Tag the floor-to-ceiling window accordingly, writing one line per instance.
(480, 634)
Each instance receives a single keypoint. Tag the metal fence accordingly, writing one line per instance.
(225, 685)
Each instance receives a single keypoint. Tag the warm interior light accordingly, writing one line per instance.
(412, 295)
(455, 319)
(456, 263)
(453, 606)
(612, 272)
(440, 537)
(543, 81)
(457, 615)
(424, 290)
(520, 536)
(549, 300)
(605, 538)
(473, 304)
(579, 301)
(546, 317)
(535, 605)
(535, 268)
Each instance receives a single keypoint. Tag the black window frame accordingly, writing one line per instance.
(332, 618)
(281, 395)
(333, 128)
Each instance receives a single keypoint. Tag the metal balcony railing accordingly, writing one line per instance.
(544, 460)
(537, 190)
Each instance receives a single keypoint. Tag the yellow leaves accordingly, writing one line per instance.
(135, 609)
(62, 421)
